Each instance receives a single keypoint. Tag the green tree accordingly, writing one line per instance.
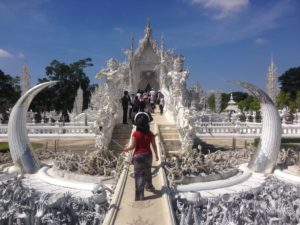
(9, 92)
(249, 104)
(61, 96)
(225, 99)
(290, 81)
(298, 100)
(211, 102)
(239, 96)
(283, 99)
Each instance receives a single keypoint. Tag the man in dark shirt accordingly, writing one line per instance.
(125, 102)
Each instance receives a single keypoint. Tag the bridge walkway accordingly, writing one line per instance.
(154, 209)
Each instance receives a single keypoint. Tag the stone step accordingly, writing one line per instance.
(167, 129)
(169, 132)
(122, 131)
(172, 145)
(121, 135)
(170, 136)
(121, 141)
(124, 128)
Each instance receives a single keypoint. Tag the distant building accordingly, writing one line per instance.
(272, 81)
(232, 105)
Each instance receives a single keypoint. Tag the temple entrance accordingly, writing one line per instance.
(148, 81)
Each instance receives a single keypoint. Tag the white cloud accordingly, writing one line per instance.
(223, 8)
(5, 54)
(118, 29)
(21, 55)
(260, 41)
(255, 23)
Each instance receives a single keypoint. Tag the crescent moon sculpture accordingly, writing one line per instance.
(264, 159)
(18, 141)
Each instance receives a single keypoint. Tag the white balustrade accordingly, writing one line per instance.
(202, 128)
(50, 130)
(241, 129)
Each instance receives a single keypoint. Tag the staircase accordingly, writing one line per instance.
(121, 134)
(170, 138)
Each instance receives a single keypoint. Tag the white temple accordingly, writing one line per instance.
(148, 66)
(272, 81)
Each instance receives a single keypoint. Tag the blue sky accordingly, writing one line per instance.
(220, 39)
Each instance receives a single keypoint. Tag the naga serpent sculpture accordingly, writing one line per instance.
(264, 159)
(19, 145)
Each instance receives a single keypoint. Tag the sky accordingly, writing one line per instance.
(221, 40)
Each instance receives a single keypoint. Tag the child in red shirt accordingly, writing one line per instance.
(142, 156)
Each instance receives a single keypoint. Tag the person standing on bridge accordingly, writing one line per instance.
(125, 103)
(141, 140)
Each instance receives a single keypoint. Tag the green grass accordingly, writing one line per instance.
(285, 142)
(5, 148)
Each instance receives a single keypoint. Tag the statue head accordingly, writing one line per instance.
(99, 194)
(178, 63)
(112, 64)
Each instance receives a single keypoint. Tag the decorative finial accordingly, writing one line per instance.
(25, 79)
(132, 43)
(162, 47)
(148, 31)
(272, 60)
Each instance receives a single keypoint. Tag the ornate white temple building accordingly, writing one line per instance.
(148, 66)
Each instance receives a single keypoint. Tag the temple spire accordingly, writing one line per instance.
(148, 30)
(162, 48)
(272, 80)
(132, 43)
(25, 79)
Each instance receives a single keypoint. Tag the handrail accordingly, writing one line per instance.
(166, 197)
(118, 192)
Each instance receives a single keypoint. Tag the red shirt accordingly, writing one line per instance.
(143, 142)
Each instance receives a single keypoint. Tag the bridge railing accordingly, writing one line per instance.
(43, 129)
(201, 128)
(248, 129)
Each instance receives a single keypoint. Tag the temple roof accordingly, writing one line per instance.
(146, 40)
(232, 106)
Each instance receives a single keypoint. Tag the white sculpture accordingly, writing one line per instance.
(178, 81)
(20, 147)
(78, 103)
(265, 157)
(218, 101)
